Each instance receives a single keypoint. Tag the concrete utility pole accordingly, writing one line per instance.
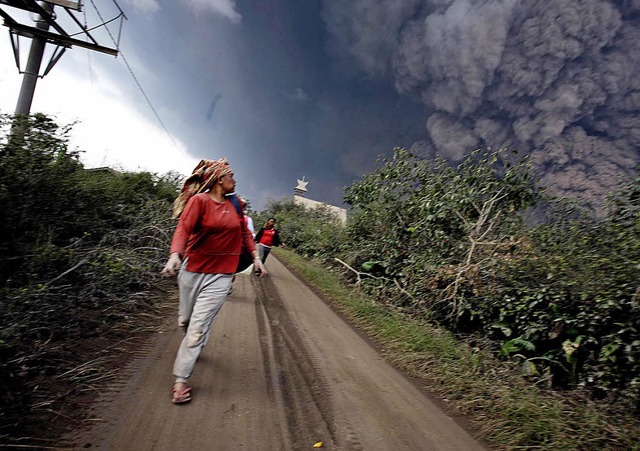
(34, 61)
(40, 35)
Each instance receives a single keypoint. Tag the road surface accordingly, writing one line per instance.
(281, 371)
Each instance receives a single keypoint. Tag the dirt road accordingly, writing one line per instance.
(281, 372)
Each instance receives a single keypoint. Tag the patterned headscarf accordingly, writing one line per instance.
(202, 179)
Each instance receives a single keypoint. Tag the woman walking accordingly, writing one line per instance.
(266, 238)
(205, 250)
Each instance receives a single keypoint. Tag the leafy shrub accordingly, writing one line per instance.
(426, 224)
(50, 201)
(312, 232)
(82, 250)
(573, 296)
(451, 244)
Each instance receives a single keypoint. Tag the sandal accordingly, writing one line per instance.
(181, 396)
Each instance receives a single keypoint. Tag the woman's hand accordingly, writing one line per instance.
(172, 266)
(258, 266)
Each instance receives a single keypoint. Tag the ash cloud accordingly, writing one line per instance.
(559, 81)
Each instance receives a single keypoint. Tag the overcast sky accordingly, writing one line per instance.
(322, 89)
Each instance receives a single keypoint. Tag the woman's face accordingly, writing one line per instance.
(271, 223)
(228, 183)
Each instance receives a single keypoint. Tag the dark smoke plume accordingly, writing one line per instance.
(556, 79)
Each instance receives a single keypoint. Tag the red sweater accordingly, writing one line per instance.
(267, 237)
(210, 235)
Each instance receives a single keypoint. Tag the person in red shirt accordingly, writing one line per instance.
(205, 251)
(267, 237)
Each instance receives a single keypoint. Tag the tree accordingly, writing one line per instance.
(429, 226)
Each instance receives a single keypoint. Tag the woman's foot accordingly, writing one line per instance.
(181, 393)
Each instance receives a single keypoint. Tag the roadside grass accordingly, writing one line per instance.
(66, 373)
(505, 410)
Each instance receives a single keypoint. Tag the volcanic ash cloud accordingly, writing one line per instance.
(557, 80)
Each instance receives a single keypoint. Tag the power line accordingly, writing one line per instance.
(133, 75)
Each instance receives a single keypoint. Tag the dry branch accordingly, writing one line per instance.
(360, 273)
(478, 232)
(82, 262)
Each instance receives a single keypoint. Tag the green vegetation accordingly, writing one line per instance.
(546, 315)
(312, 233)
(527, 322)
(81, 254)
(506, 410)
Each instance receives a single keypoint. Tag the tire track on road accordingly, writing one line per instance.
(295, 375)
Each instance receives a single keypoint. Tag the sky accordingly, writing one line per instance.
(322, 89)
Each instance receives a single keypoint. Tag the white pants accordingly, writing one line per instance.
(201, 298)
(263, 252)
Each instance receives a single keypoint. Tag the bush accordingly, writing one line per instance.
(312, 232)
(572, 297)
(450, 244)
(82, 250)
(428, 225)
(50, 201)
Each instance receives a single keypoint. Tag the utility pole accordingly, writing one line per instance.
(34, 61)
(32, 69)
(41, 34)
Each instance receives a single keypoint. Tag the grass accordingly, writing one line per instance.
(62, 374)
(505, 410)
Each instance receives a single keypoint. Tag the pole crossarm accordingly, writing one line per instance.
(62, 37)
(34, 7)
(66, 41)
(27, 4)
(50, 29)
(67, 4)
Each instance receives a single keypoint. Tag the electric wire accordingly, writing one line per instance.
(135, 79)
(84, 31)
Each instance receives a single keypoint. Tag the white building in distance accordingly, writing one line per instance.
(298, 198)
